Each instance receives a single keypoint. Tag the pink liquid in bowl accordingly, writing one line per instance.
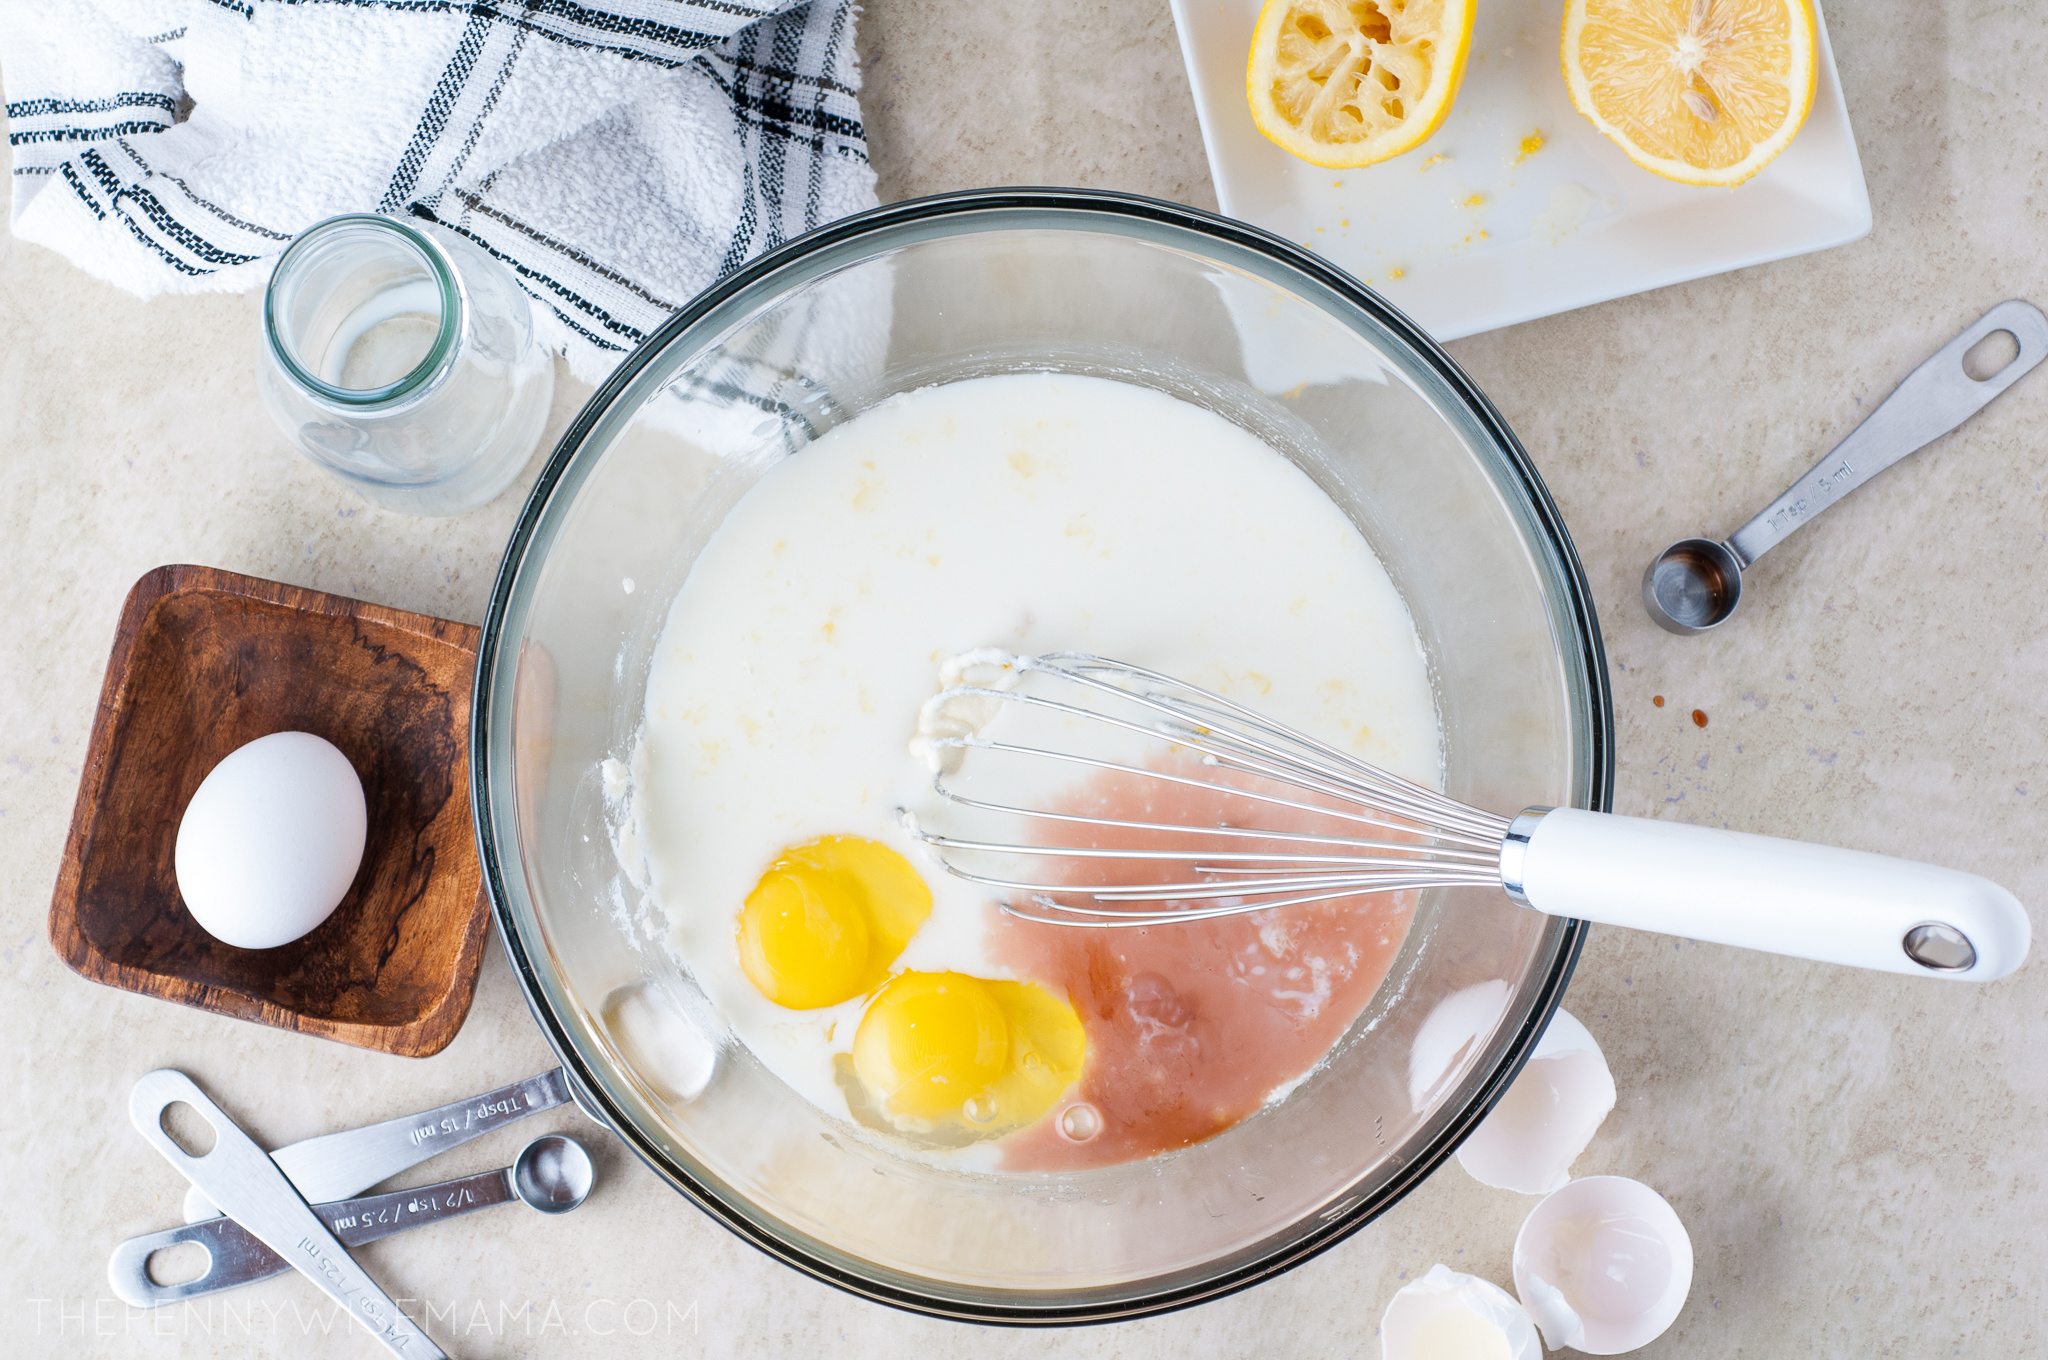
(1191, 1026)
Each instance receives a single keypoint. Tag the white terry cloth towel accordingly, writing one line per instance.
(618, 155)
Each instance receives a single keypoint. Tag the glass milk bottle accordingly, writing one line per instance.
(402, 359)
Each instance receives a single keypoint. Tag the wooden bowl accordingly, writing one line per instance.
(206, 660)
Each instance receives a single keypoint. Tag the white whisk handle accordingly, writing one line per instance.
(1759, 892)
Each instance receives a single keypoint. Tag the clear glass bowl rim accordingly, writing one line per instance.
(772, 275)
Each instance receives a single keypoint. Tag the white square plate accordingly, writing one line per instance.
(1470, 231)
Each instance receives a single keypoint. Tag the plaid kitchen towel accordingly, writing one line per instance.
(618, 155)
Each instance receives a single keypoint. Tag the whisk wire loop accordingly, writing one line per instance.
(1285, 745)
(1056, 913)
(1233, 868)
(1488, 856)
(1420, 807)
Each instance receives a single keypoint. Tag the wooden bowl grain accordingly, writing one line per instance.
(206, 660)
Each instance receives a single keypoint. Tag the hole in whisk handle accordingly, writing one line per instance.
(1939, 946)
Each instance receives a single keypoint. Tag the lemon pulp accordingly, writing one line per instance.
(1346, 83)
(1699, 91)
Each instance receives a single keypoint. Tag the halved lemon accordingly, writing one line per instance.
(1345, 83)
(1700, 91)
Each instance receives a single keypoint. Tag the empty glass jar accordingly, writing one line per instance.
(402, 359)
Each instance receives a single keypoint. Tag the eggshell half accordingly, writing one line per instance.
(1449, 1316)
(1546, 1119)
(1603, 1265)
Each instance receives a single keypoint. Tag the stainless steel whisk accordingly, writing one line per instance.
(1810, 901)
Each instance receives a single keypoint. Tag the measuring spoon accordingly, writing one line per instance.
(240, 1177)
(552, 1174)
(1696, 583)
(337, 1165)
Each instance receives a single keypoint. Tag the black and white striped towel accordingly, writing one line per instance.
(619, 155)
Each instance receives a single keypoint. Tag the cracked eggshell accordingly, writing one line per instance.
(1603, 1265)
(1449, 1316)
(1530, 1139)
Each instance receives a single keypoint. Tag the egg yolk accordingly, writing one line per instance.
(827, 919)
(965, 1052)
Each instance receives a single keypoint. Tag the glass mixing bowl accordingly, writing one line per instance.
(938, 290)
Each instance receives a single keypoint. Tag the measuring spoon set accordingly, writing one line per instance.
(258, 1214)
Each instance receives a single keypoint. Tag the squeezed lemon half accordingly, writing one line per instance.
(1345, 83)
(1698, 91)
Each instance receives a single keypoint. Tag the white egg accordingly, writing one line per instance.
(1546, 1119)
(1603, 1265)
(1449, 1316)
(271, 840)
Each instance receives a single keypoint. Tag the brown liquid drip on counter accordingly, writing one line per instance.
(1190, 1026)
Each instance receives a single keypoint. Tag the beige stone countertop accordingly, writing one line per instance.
(1859, 1158)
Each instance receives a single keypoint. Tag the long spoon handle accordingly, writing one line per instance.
(1759, 892)
(236, 1257)
(1934, 399)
